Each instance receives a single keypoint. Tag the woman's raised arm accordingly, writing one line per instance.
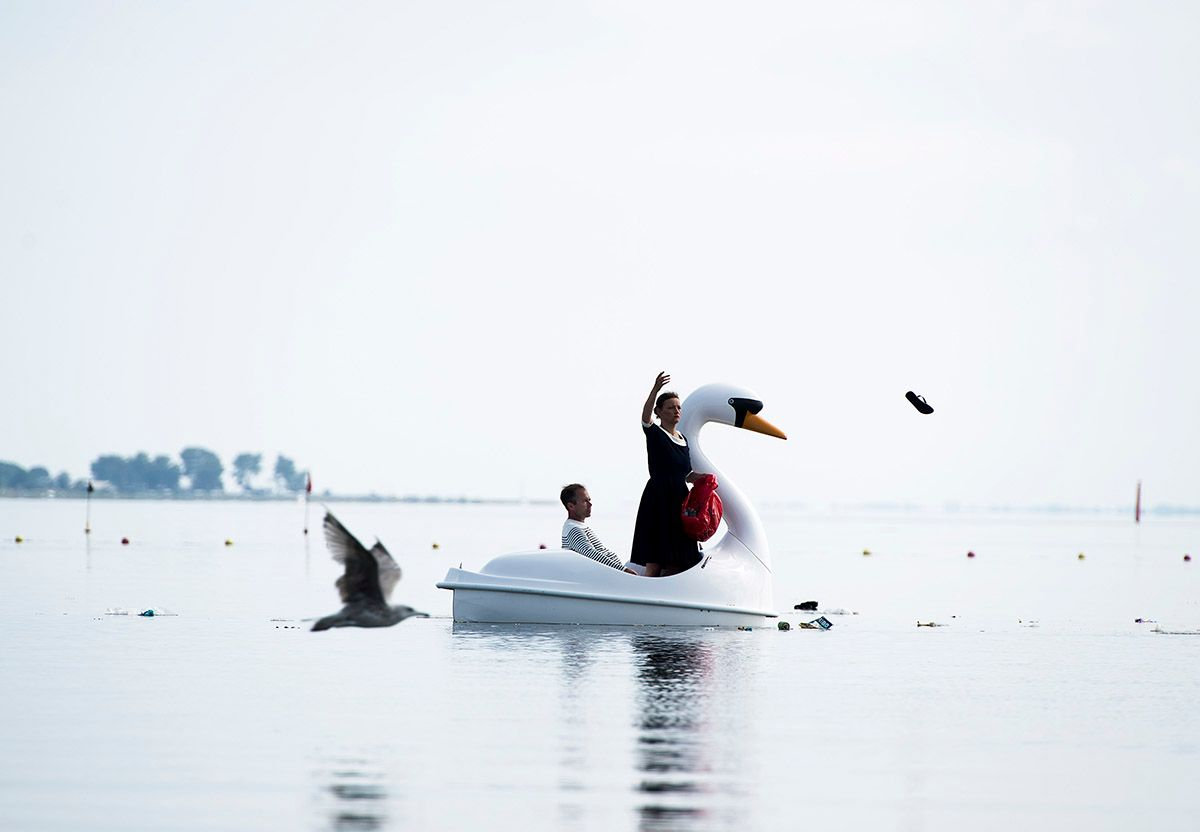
(648, 408)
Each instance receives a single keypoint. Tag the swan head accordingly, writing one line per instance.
(727, 405)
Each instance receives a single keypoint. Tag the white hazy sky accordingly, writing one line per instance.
(443, 248)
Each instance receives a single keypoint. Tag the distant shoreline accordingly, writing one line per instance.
(190, 497)
(269, 498)
(948, 509)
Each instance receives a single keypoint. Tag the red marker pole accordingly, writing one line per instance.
(87, 523)
(307, 492)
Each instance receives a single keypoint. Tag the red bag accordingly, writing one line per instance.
(702, 509)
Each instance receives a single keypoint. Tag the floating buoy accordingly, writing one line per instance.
(783, 625)
(1079, 556)
(228, 542)
(124, 541)
(436, 546)
(866, 551)
(20, 539)
(970, 554)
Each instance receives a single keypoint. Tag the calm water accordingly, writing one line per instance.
(1040, 704)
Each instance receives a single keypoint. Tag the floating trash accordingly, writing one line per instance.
(436, 546)
(152, 612)
(746, 629)
(1144, 621)
(866, 552)
(1187, 558)
(929, 624)
(783, 625)
(1080, 556)
(20, 539)
(820, 623)
(124, 541)
(228, 542)
(807, 606)
(970, 554)
(918, 402)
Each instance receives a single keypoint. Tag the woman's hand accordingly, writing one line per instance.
(648, 408)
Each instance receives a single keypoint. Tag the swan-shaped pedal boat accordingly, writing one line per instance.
(731, 585)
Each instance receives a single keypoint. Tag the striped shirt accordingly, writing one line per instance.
(579, 538)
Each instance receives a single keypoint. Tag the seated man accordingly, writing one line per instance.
(577, 537)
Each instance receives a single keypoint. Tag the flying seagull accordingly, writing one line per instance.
(366, 583)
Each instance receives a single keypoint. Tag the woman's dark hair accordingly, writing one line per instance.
(569, 493)
(662, 397)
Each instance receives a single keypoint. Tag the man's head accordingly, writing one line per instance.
(576, 501)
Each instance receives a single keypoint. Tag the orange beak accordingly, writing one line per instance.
(761, 425)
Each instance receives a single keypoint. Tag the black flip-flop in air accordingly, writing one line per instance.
(918, 402)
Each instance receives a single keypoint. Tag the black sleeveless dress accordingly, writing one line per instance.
(658, 535)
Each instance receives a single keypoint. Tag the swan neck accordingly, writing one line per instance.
(739, 515)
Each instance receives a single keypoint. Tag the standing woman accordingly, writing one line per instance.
(659, 542)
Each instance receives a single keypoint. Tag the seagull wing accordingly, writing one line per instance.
(338, 538)
(389, 570)
(360, 581)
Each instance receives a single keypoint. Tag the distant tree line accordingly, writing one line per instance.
(198, 471)
(15, 478)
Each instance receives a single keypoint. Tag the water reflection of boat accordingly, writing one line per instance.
(731, 586)
(359, 795)
(673, 679)
(682, 733)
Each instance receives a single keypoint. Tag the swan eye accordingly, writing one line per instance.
(743, 406)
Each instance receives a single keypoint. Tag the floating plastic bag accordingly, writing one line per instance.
(702, 509)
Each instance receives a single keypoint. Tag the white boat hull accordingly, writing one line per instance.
(561, 587)
(492, 607)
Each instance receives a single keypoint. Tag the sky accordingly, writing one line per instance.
(444, 248)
